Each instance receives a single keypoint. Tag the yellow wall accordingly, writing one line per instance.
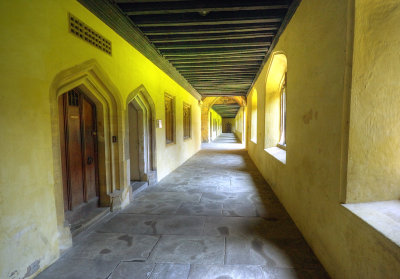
(318, 44)
(239, 124)
(214, 115)
(374, 143)
(36, 46)
(254, 115)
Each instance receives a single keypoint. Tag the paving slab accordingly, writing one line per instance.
(169, 196)
(78, 269)
(114, 246)
(170, 271)
(152, 207)
(201, 208)
(154, 224)
(132, 270)
(226, 271)
(282, 253)
(189, 250)
(213, 217)
(239, 209)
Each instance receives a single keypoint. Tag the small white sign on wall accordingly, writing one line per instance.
(159, 123)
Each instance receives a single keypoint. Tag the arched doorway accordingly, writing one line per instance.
(91, 83)
(228, 128)
(141, 138)
(78, 139)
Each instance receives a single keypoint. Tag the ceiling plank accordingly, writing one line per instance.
(212, 46)
(199, 52)
(216, 65)
(215, 60)
(196, 30)
(197, 38)
(211, 22)
(202, 7)
(112, 16)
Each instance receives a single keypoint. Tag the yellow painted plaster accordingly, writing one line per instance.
(239, 124)
(214, 132)
(316, 43)
(253, 98)
(37, 46)
(374, 142)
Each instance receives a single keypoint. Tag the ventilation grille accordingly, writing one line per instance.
(81, 30)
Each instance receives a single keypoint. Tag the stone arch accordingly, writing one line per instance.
(95, 84)
(207, 103)
(141, 99)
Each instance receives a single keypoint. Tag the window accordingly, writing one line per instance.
(276, 107)
(282, 136)
(253, 126)
(169, 119)
(187, 121)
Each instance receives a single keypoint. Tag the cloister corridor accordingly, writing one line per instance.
(213, 217)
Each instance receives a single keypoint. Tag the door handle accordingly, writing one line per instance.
(89, 160)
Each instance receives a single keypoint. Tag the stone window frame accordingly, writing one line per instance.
(187, 121)
(170, 129)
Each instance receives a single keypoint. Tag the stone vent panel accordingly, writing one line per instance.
(83, 31)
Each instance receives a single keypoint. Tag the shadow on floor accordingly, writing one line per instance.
(213, 217)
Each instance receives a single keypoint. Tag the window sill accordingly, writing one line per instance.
(187, 139)
(170, 144)
(277, 153)
(383, 216)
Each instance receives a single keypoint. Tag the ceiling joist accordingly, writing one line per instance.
(211, 48)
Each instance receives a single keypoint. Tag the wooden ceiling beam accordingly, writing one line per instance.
(184, 61)
(219, 83)
(220, 90)
(223, 94)
(216, 65)
(209, 22)
(216, 71)
(216, 52)
(222, 78)
(212, 46)
(224, 87)
(199, 30)
(217, 78)
(202, 7)
(206, 38)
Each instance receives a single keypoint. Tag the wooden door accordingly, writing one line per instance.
(78, 148)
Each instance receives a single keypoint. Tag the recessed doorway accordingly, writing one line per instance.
(78, 130)
(140, 120)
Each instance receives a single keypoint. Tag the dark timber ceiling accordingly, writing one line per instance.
(217, 45)
(226, 110)
(211, 47)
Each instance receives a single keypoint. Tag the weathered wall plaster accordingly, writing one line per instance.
(239, 124)
(316, 43)
(217, 130)
(374, 142)
(37, 49)
(253, 101)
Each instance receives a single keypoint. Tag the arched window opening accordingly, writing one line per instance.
(282, 136)
(253, 132)
(275, 140)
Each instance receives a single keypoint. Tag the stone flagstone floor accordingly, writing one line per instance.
(213, 217)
